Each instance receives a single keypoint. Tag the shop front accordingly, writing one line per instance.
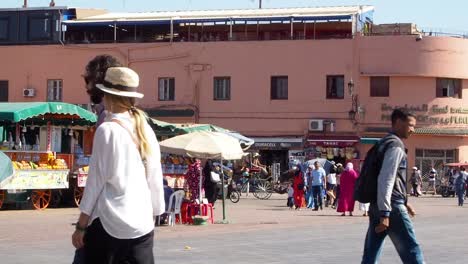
(337, 148)
(274, 150)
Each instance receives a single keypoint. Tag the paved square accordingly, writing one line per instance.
(259, 232)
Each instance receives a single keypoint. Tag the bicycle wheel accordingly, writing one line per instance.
(263, 190)
(234, 197)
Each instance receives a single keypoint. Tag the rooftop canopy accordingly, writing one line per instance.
(309, 13)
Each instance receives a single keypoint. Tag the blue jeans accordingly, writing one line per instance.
(309, 198)
(400, 231)
(317, 192)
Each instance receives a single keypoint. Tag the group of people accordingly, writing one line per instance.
(457, 178)
(308, 189)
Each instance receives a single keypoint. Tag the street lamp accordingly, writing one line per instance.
(351, 87)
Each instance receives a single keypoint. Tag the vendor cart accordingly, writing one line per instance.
(32, 139)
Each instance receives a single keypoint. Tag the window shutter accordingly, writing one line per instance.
(439, 87)
(274, 88)
(172, 89)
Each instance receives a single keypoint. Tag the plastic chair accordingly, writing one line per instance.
(175, 202)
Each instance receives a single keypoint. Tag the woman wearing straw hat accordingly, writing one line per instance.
(124, 190)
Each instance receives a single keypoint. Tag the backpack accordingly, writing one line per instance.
(365, 190)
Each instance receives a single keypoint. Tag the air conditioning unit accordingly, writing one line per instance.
(315, 125)
(29, 92)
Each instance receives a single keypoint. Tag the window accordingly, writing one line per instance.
(166, 89)
(3, 91)
(335, 86)
(39, 28)
(4, 32)
(222, 88)
(279, 87)
(380, 86)
(448, 88)
(54, 90)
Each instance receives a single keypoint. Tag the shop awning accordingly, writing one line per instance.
(331, 140)
(38, 112)
(369, 140)
(442, 131)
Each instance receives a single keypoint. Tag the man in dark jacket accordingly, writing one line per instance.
(390, 215)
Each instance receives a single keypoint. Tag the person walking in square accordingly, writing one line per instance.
(390, 214)
(124, 191)
(290, 202)
(416, 181)
(318, 183)
(347, 182)
(298, 184)
(460, 185)
(309, 198)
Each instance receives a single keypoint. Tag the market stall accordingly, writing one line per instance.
(41, 140)
(175, 166)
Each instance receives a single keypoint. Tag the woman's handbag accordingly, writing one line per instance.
(214, 177)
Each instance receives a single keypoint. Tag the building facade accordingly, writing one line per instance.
(322, 85)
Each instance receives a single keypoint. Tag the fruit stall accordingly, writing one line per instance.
(41, 140)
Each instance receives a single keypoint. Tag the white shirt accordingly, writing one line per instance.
(118, 190)
(331, 178)
(290, 191)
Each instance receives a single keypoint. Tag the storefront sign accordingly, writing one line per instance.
(428, 114)
(277, 145)
(329, 141)
(36, 179)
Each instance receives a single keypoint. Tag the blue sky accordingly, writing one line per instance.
(446, 15)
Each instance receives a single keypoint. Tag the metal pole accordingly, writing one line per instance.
(260, 4)
(292, 28)
(222, 191)
(115, 32)
(230, 30)
(172, 30)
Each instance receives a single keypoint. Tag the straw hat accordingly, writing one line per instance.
(121, 81)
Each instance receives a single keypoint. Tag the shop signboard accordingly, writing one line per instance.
(36, 179)
(277, 145)
(332, 141)
(430, 114)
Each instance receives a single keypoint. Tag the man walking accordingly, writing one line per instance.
(390, 214)
(317, 185)
(416, 181)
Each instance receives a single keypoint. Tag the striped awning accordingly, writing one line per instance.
(458, 131)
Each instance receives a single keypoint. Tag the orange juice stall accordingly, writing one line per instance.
(44, 141)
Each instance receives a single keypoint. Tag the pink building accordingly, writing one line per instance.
(302, 82)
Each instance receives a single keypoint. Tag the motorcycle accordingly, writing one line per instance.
(230, 189)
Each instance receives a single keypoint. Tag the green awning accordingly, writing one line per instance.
(40, 112)
(369, 141)
(171, 129)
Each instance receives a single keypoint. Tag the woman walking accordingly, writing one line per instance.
(347, 181)
(460, 185)
(298, 184)
(124, 191)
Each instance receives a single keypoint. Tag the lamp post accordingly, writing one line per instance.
(351, 87)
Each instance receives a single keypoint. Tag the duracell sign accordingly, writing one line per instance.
(277, 145)
(434, 114)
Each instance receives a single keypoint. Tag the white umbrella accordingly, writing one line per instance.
(205, 145)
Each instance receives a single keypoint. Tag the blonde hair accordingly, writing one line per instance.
(139, 118)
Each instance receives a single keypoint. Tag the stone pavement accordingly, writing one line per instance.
(259, 232)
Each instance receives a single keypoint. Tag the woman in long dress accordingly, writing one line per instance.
(298, 185)
(347, 181)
